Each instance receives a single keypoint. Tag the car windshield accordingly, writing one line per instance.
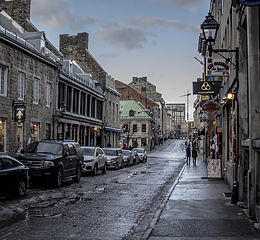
(139, 150)
(110, 152)
(32, 147)
(49, 148)
(125, 153)
(88, 151)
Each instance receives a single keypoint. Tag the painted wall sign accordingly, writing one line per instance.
(210, 106)
(19, 113)
(250, 2)
(206, 88)
(217, 67)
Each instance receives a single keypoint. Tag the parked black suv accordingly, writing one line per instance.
(53, 160)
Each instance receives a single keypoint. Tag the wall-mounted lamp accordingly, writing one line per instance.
(230, 96)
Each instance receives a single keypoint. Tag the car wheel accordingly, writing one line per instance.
(104, 170)
(21, 189)
(77, 178)
(58, 178)
(94, 171)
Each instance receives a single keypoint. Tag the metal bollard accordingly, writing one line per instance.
(234, 196)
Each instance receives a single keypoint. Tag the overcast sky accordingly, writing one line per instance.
(157, 39)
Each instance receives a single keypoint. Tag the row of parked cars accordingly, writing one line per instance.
(55, 161)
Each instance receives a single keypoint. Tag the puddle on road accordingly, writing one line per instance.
(138, 173)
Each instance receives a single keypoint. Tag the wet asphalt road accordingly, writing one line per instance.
(117, 205)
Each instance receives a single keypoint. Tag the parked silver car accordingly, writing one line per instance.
(114, 157)
(141, 153)
(127, 158)
(94, 160)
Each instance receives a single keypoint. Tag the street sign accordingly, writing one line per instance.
(217, 67)
(210, 106)
(206, 88)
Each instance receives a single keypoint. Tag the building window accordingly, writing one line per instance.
(143, 142)
(20, 85)
(34, 132)
(36, 84)
(2, 135)
(83, 103)
(48, 95)
(99, 109)
(131, 113)
(3, 85)
(69, 98)
(76, 102)
(134, 127)
(143, 127)
(93, 107)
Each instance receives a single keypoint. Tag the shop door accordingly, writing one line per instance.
(19, 137)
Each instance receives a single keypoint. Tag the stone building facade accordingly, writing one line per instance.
(76, 48)
(238, 120)
(149, 90)
(27, 108)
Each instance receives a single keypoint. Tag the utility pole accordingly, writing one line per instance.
(187, 95)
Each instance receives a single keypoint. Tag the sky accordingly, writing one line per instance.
(157, 39)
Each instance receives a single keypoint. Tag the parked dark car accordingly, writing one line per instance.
(14, 177)
(135, 157)
(53, 160)
(128, 159)
(142, 154)
(114, 157)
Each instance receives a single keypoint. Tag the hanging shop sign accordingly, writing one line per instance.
(206, 88)
(250, 2)
(210, 106)
(19, 113)
(217, 67)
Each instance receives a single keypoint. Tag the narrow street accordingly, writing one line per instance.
(117, 205)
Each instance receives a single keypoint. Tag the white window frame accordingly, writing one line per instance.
(48, 95)
(3, 80)
(20, 85)
(36, 87)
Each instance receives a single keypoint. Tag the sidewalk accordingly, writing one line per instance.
(196, 208)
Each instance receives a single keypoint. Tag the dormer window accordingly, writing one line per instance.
(131, 113)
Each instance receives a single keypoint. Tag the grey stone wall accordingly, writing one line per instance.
(16, 60)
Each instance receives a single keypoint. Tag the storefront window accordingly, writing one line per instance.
(60, 131)
(34, 132)
(68, 132)
(48, 131)
(143, 142)
(2, 135)
(74, 133)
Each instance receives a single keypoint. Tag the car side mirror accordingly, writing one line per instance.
(66, 154)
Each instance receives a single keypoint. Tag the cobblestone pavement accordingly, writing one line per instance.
(116, 205)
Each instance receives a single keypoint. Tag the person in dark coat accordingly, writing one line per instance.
(188, 154)
(194, 155)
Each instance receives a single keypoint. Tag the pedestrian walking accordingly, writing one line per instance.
(194, 155)
(188, 154)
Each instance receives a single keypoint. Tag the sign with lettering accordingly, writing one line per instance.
(210, 106)
(206, 88)
(250, 2)
(217, 67)
(19, 113)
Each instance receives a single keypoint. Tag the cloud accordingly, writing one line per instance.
(146, 22)
(53, 15)
(118, 35)
(190, 5)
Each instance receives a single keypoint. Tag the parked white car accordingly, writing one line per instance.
(141, 153)
(94, 160)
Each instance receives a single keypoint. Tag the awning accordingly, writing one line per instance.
(112, 129)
